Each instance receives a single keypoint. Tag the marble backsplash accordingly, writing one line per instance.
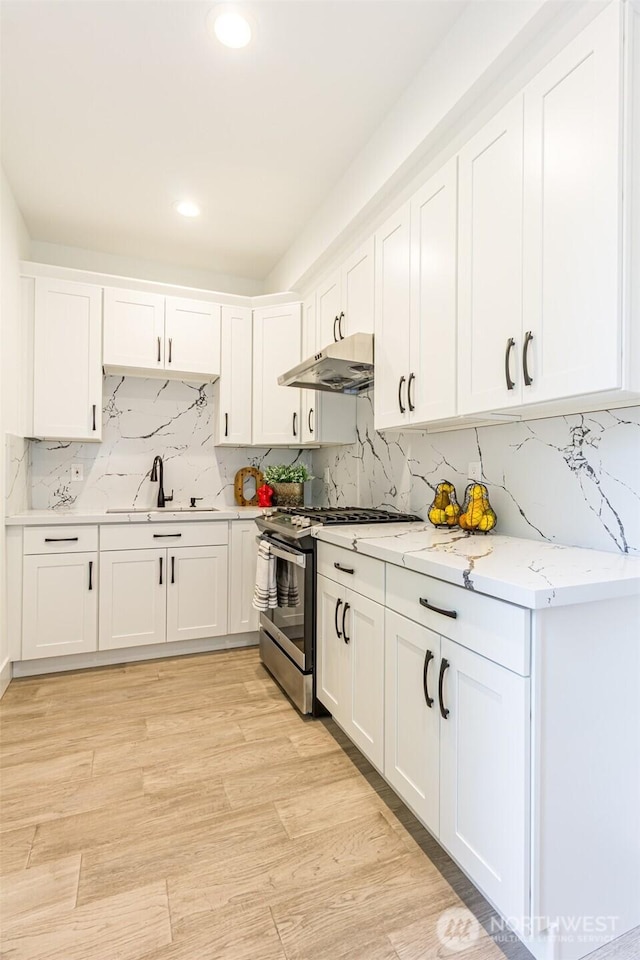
(17, 478)
(142, 418)
(572, 480)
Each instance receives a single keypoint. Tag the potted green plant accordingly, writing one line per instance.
(287, 482)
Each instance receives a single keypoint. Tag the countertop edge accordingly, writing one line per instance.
(52, 518)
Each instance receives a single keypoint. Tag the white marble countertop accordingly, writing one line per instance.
(530, 573)
(31, 518)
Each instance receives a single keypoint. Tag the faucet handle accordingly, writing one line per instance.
(168, 499)
(193, 500)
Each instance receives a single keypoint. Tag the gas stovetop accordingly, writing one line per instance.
(295, 522)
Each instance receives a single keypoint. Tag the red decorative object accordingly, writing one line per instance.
(265, 495)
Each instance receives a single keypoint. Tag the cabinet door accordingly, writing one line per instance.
(332, 652)
(310, 398)
(243, 557)
(362, 626)
(234, 388)
(433, 363)
(192, 337)
(276, 348)
(133, 329)
(197, 591)
(60, 605)
(133, 595)
(357, 289)
(490, 264)
(484, 775)
(572, 215)
(392, 320)
(328, 310)
(412, 718)
(67, 379)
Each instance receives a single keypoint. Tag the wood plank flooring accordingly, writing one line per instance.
(183, 810)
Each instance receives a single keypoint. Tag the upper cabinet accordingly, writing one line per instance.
(277, 341)
(233, 392)
(151, 335)
(67, 374)
(345, 299)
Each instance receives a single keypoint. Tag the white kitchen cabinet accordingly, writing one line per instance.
(243, 557)
(192, 337)
(484, 774)
(197, 591)
(60, 606)
(328, 307)
(362, 628)
(345, 298)
(276, 348)
(412, 718)
(133, 329)
(331, 649)
(67, 376)
(133, 598)
(233, 390)
(490, 264)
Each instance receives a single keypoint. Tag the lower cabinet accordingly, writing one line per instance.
(60, 613)
(196, 593)
(133, 601)
(243, 557)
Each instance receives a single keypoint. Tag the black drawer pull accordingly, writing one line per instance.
(161, 536)
(173, 569)
(335, 619)
(507, 356)
(60, 539)
(339, 566)
(444, 666)
(160, 559)
(90, 574)
(428, 657)
(528, 380)
(347, 639)
(445, 613)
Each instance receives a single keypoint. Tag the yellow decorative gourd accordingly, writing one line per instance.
(445, 509)
(477, 512)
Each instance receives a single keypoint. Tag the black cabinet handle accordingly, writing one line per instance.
(444, 666)
(295, 424)
(173, 569)
(528, 380)
(347, 639)
(445, 613)
(400, 384)
(170, 346)
(160, 581)
(340, 333)
(226, 424)
(162, 536)
(339, 566)
(94, 416)
(90, 574)
(159, 350)
(335, 619)
(507, 356)
(335, 338)
(60, 539)
(412, 378)
(309, 419)
(428, 657)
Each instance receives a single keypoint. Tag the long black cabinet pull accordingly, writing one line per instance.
(445, 613)
(160, 581)
(173, 569)
(340, 333)
(159, 350)
(339, 566)
(403, 380)
(295, 424)
(170, 346)
(90, 574)
(162, 536)
(428, 657)
(335, 338)
(335, 619)
(347, 639)
(412, 405)
(528, 379)
(94, 416)
(226, 424)
(444, 666)
(507, 356)
(309, 419)
(60, 539)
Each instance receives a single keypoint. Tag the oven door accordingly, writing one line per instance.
(291, 627)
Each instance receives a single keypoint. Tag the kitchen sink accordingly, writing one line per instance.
(161, 510)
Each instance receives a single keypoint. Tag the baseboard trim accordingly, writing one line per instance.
(5, 676)
(106, 658)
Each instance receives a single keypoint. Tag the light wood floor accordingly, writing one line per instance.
(183, 810)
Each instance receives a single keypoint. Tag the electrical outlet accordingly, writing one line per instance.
(475, 470)
(77, 472)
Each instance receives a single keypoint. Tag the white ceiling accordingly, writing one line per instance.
(113, 109)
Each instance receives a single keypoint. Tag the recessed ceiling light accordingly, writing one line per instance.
(230, 27)
(187, 208)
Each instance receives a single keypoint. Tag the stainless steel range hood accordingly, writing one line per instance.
(342, 367)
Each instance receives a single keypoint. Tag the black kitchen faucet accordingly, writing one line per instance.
(157, 474)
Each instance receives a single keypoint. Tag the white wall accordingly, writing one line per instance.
(14, 246)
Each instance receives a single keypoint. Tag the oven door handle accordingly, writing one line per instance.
(284, 554)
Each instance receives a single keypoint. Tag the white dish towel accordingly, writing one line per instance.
(265, 595)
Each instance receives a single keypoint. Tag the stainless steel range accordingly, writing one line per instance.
(288, 633)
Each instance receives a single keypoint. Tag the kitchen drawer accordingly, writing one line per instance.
(59, 539)
(495, 629)
(143, 536)
(367, 576)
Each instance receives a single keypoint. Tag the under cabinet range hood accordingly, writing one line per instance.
(342, 367)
